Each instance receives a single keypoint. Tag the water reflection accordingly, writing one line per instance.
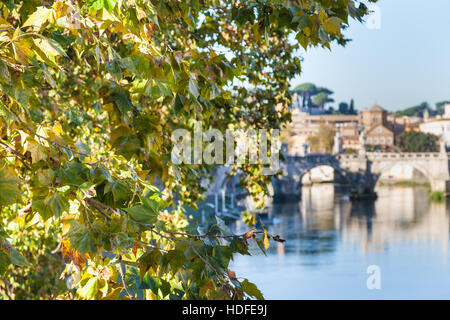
(331, 241)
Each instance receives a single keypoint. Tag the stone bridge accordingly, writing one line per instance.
(361, 171)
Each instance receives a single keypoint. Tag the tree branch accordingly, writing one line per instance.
(57, 144)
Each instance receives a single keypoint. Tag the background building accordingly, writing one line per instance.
(439, 126)
(378, 130)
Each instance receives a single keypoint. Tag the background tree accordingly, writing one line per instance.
(416, 110)
(352, 107)
(440, 106)
(313, 96)
(321, 99)
(323, 141)
(415, 141)
(306, 91)
(90, 94)
(343, 108)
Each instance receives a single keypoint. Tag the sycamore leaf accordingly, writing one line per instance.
(4, 24)
(251, 289)
(9, 189)
(231, 275)
(278, 239)
(4, 71)
(155, 284)
(49, 47)
(153, 203)
(5, 261)
(142, 214)
(17, 259)
(81, 238)
(266, 238)
(38, 18)
(193, 89)
(89, 290)
(261, 246)
(48, 76)
(249, 234)
(53, 205)
(333, 25)
(303, 40)
(102, 4)
(37, 151)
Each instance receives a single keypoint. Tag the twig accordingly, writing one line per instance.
(97, 204)
(57, 144)
(93, 203)
(16, 154)
(205, 261)
(58, 247)
(123, 279)
(151, 245)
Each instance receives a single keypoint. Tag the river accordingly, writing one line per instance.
(331, 243)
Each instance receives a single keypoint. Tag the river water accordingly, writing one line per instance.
(331, 243)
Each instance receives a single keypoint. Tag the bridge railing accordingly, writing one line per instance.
(394, 155)
(370, 155)
(403, 155)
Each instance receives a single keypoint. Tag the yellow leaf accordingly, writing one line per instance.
(50, 48)
(57, 128)
(266, 237)
(4, 24)
(333, 25)
(36, 150)
(60, 9)
(38, 18)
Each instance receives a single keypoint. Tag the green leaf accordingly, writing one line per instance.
(17, 259)
(120, 99)
(53, 205)
(89, 290)
(142, 214)
(238, 245)
(102, 4)
(81, 238)
(5, 261)
(303, 39)
(193, 88)
(9, 189)
(155, 284)
(4, 72)
(323, 36)
(73, 173)
(251, 289)
(153, 203)
(133, 283)
(333, 25)
(148, 260)
(260, 244)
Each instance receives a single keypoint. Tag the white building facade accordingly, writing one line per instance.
(438, 127)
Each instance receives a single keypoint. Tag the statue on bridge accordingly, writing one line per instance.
(442, 146)
(362, 143)
(337, 145)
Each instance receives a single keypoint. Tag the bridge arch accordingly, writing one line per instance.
(363, 170)
(379, 168)
(336, 170)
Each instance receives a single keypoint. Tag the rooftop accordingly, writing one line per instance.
(374, 108)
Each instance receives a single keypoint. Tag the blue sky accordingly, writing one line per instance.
(403, 63)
